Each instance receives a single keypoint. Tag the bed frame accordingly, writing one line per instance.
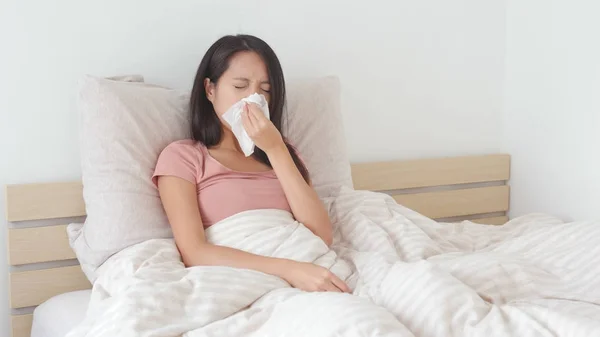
(43, 264)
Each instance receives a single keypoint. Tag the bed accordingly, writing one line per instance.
(450, 190)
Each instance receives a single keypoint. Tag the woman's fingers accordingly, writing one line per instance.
(246, 121)
(328, 286)
(339, 284)
(259, 128)
(255, 114)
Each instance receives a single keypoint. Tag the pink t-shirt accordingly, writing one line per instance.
(222, 192)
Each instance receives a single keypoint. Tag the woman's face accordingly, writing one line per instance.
(247, 74)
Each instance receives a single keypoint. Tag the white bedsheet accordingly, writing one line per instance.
(60, 314)
(411, 276)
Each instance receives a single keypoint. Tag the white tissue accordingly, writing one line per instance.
(233, 116)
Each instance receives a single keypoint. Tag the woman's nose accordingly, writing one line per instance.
(254, 88)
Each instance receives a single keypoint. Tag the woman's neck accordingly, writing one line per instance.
(228, 141)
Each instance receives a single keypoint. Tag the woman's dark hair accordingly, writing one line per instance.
(206, 126)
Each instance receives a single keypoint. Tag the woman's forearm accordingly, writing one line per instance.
(304, 201)
(213, 255)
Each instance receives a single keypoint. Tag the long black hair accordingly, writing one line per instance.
(206, 126)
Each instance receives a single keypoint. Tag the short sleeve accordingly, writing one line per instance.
(179, 159)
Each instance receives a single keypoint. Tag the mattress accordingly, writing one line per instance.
(58, 315)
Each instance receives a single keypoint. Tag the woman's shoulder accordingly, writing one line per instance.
(185, 146)
(187, 150)
(183, 158)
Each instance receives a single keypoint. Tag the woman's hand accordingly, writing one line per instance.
(310, 277)
(260, 129)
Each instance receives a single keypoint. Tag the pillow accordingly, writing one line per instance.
(126, 124)
(313, 124)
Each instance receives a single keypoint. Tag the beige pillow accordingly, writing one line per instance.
(314, 125)
(126, 124)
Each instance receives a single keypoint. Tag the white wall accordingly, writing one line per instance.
(423, 76)
(552, 110)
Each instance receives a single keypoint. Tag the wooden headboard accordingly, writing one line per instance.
(447, 189)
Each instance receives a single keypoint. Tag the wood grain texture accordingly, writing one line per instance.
(20, 325)
(393, 175)
(44, 201)
(30, 288)
(454, 203)
(38, 244)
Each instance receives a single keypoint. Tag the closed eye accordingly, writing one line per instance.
(240, 87)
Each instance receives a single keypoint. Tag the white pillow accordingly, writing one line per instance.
(125, 126)
(313, 124)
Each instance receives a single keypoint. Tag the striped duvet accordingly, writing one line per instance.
(411, 276)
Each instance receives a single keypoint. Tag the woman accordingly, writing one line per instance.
(207, 179)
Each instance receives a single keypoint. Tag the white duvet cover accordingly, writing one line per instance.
(410, 276)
